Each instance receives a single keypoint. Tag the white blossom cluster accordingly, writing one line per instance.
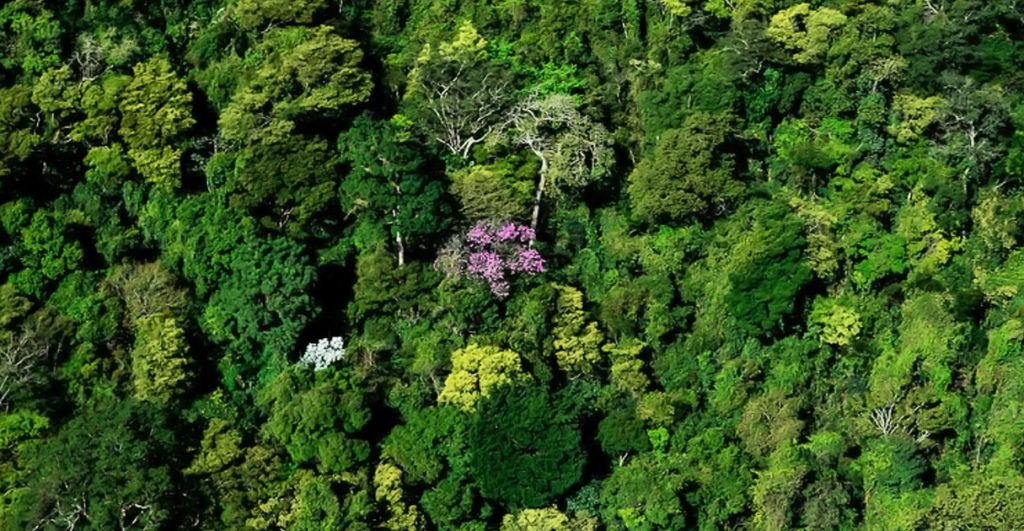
(323, 353)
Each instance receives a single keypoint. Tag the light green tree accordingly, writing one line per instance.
(577, 342)
(159, 358)
(387, 481)
(546, 519)
(805, 31)
(255, 14)
(156, 109)
(476, 370)
(838, 324)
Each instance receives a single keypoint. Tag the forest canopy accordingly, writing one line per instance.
(524, 265)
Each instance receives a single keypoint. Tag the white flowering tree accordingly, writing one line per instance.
(324, 353)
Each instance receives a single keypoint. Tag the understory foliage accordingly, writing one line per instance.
(524, 265)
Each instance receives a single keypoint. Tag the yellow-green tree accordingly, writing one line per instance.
(577, 342)
(159, 358)
(476, 370)
(837, 324)
(545, 519)
(387, 481)
(805, 31)
(156, 108)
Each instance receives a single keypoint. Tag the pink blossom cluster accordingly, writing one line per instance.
(490, 252)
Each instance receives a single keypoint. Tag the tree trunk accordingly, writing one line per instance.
(398, 232)
(535, 217)
(401, 248)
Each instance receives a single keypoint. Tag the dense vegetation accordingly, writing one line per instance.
(511, 264)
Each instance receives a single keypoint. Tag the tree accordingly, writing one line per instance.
(491, 253)
(299, 72)
(980, 502)
(525, 447)
(387, 478)
(476, 371)
(236, 479)
(31, 37)
(643, 494)
(577, 342)
(388, 181)
(99, 104)
(778, 486)
(159, 359)
(545, 519)
(293, 77)
(679, 8)
(457, 93)
(156, 109)
(316, 416)
(47, 250)
(252, 14)
(765, 287)
(148, 290)
(492, 191)
(107, 468)
(255, 290)
(972, 116)
(288, 184)
(839, 325)
(688, 174)
(805, 31)
(23, 353)
(17, 138)
(769, 421)
(573, 150)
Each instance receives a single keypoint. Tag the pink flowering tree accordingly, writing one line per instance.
(492, 253)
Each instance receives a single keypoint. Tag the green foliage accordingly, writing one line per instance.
(108, 467)
(390, 184)
(255, 290)
(777, 486)
(764, 291)
(31, 37)
(156, 110)
(251, 14)
(315, 417)
(688, 174)
(781, 242)
(525, 448)
(159, 362)
(456, 94)
(979, 503)
(642, 494)
(16, 136)
(769, 421)
(805, 31)
(577, 342)
(493, 191)
(838, 324)
(476, 372)
(293, 72)
(48, 251)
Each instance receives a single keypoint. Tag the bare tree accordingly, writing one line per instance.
(884, 419)
(21, 354)
(573, 150)
(887, 421)
(466, 116)
(147, 289)
(972, 119)
(460, 93)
